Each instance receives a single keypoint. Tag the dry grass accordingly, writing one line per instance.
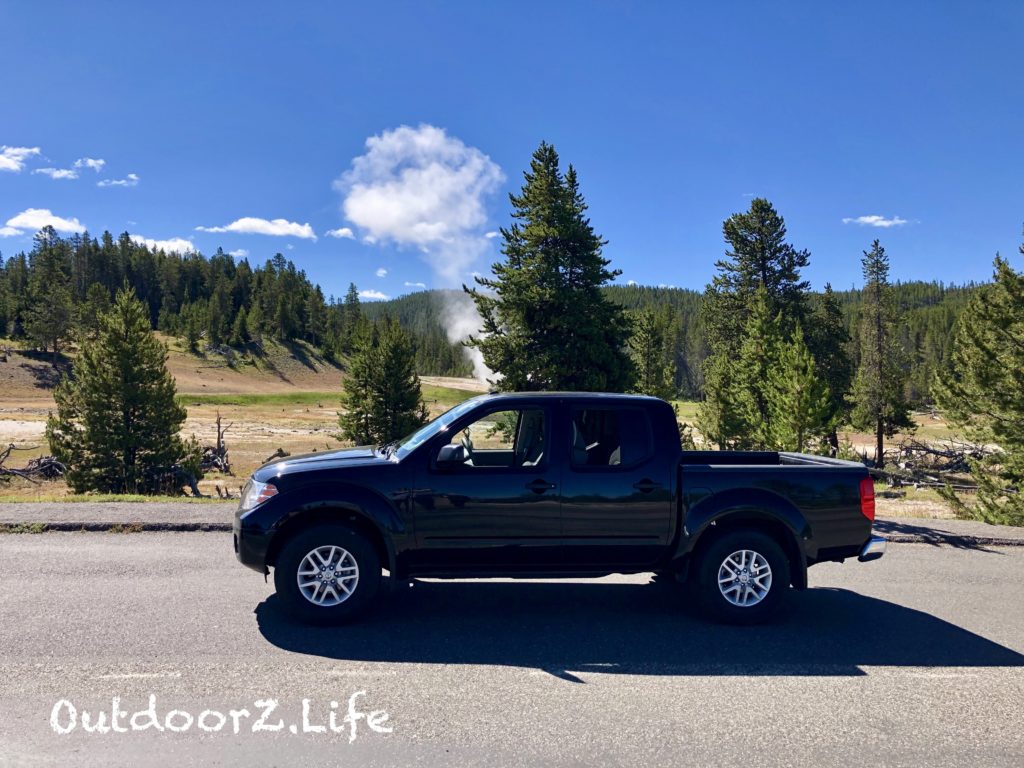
(289, 400)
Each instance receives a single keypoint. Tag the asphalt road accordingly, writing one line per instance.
(913, 660)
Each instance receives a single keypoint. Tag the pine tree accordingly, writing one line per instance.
(758, 257)
(798, 399)
(240, 329)
(879, 404)
(352, 314)
(316, 317)
(721, 416)
(829, 342)
(546, 323)
(758, 355)
(117, 422)
(382, 399)
(192, 328)
(652, 356)
(357, 388)
(50, 317)
(759, 276)
(96, 304)
(736, 412)
(983, 394)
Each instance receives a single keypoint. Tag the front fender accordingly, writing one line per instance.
(343, 496)
(264, 524)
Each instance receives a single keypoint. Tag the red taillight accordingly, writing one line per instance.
(867, 498)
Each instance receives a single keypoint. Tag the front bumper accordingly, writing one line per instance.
(251, 543)
(872, 550)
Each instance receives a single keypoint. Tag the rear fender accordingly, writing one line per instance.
(759, 508)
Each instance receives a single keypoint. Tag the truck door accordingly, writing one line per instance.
(498, 506)
(616, 490)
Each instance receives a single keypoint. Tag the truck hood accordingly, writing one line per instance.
(343, 458)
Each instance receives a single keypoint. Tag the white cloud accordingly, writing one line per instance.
(631, 282)
(58, 173)
(238, 253)
(34, 219)
(90, 162)
(173, 245)
(491, 235)
(373, 295)
(421, 187)
(13, 158)
(251, 225)
(414, 285)
(131, 180)
(345, 232)
(875, 220)
(10, 231)
(382, 272)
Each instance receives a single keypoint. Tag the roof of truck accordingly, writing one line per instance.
(609, 395)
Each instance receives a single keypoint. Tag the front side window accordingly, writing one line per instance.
(435, 427)
(610, 437)
(511, 438)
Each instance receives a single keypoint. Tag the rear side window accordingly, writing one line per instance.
(610, 437)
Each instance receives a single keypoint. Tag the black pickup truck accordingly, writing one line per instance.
(549, 485)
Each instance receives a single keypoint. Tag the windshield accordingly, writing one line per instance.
(436, 427)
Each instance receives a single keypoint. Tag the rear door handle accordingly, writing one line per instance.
(540, 485)
(646, 486)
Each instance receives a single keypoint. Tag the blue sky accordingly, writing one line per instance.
(673, 115)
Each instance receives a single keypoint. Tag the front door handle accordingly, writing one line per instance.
(646, 486)
(540, 485)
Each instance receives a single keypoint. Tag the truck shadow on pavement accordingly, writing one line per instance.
(634, 629)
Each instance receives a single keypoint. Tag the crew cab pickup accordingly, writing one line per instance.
(551, 485)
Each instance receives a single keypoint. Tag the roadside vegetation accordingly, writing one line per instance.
(757, 360)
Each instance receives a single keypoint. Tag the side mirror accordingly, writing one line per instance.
(451, 456)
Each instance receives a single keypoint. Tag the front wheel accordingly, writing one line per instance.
(327, 575)
(743, 577)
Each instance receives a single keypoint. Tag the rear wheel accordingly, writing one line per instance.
(743, 577)
(327, 575)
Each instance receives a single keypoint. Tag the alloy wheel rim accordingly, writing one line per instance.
(745, 578)
(328, 576)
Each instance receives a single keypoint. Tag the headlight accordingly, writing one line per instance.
(255, 493)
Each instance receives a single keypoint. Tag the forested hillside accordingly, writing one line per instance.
(54, 292)
(52, 295)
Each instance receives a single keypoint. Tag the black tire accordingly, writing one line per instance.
(713, 597)
(294, 552)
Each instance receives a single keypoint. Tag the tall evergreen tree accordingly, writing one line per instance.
(983, 394)
(546, 323)
(879, 404)
(352, 314)
(798, 399)
(758, 355)
(382, 399)
(652, 356)
(829, 342)
(758, 257)
(117, 421)
(50, 317)
(755, 301)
